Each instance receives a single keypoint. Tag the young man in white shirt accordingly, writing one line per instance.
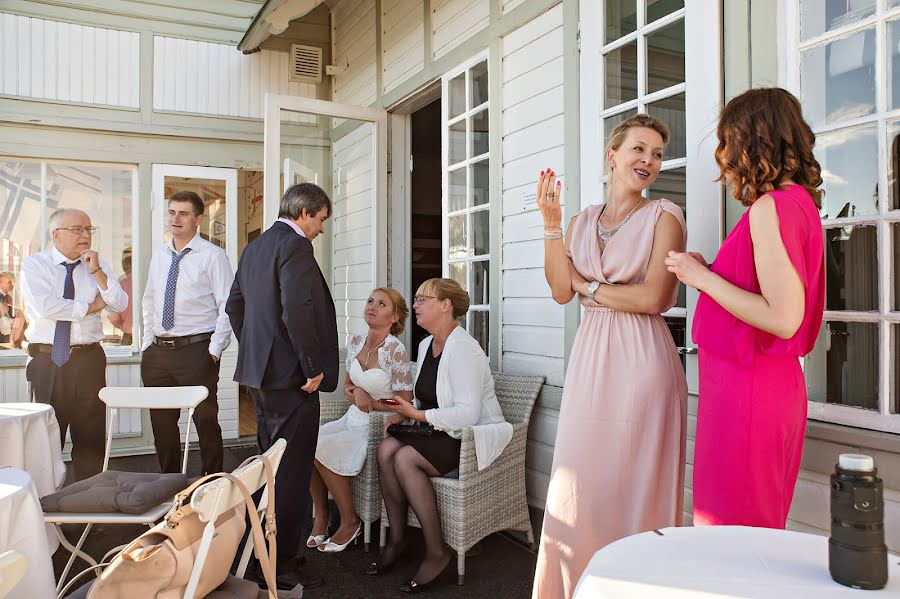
(186, 330)
(65, 287)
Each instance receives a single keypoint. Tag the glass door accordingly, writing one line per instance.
(343, 149)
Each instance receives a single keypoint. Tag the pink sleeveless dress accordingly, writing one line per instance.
(618, 464)
(752, 409)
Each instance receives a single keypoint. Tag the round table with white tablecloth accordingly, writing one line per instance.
(719, 562)
(29, 440)
(22, 528)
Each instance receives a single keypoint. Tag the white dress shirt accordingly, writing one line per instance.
(292, 225)
(204, 282)
(43, 278)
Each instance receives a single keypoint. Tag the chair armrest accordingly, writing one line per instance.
(332, 408)
(468, 459)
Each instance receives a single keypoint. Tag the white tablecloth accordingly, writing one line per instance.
(29, 440)
(22, 529)
(718, 562)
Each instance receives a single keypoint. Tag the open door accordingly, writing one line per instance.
(343, 149)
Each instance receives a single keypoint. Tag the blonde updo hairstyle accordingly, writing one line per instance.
(446, 289)
(401, 311)
(618, 135)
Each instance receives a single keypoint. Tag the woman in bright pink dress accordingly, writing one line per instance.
(760, 309)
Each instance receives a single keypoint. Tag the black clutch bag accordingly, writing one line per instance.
(410, 431)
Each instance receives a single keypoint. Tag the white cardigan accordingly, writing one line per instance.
(466, 397)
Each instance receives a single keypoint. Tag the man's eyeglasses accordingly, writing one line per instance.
(78, 229)
(421, 298)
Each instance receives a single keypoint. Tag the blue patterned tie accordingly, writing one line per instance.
(168, 315)
(62, 337)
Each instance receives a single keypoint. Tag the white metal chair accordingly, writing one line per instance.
(217, 497)
(120, 398)
(12, 570)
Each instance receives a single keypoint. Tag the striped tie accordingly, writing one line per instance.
(62, 337)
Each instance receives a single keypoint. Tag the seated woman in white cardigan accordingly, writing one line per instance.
(454, 389)
(377, 368)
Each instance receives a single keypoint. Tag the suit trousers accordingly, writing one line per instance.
(292, 415)
(73, 391)
(187, 365)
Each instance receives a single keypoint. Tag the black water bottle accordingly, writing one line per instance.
(857, 555)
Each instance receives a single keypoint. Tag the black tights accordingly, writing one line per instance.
(406, 482)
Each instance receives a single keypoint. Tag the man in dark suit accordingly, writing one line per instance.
(283, 316)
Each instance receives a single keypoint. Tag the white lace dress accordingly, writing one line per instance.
(342, 442)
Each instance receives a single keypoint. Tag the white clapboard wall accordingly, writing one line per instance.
(455, 21)
(352, 163)
(532, 125)
(216, 79)
(402, 40)
(64, 62)
(353, 32)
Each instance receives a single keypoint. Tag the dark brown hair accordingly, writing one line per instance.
(763, 142)
(189, 196)
(401, 311)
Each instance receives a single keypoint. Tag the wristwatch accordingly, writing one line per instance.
(592, 287)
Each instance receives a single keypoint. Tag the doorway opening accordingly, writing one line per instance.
(425, 211)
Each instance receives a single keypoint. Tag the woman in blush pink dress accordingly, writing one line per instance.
(760, 308)
(618, 465)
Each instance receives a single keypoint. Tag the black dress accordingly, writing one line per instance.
(439, 448)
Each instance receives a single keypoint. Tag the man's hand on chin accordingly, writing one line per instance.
(312, 385)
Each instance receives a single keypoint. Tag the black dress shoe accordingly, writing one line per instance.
(287, 579)
(414, 587)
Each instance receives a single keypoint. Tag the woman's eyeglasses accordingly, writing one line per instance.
(421, 298)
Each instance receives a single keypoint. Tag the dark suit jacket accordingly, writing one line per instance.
(282, 314)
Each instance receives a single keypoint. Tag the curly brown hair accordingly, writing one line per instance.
(763, 142)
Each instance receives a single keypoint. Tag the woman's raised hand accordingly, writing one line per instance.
(549, 193)
(689, 267)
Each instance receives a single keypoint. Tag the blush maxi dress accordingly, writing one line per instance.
(618, 464)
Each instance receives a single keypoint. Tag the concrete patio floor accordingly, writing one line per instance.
(503, 566)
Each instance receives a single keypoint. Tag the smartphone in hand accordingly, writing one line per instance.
(390, 401)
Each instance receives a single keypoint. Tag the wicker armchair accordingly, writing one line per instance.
(365, 486)
(480, 503)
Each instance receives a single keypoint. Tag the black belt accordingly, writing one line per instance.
(46, 348)
(176, 342)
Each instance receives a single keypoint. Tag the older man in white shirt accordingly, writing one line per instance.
(65, 287)
(186, 329)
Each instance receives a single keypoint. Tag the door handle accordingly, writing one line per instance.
(686, 350)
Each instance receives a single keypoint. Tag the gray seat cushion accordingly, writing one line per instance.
(232, 588)
(116, 492)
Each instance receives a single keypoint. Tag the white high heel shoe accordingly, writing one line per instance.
(316, 540)
(329, 547)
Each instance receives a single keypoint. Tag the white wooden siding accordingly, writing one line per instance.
(353, 35)
(402, 40)
(51, 60)
(532, 129)
(455, 21)
(352, 229)
(508, 5)
(216, 79)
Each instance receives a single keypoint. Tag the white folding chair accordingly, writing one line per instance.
(12, 570)
(214, 498)
(120, 398)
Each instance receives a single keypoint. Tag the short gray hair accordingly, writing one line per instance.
(58, 215)
(303, 197)
(8, 275)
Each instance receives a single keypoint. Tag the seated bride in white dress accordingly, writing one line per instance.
(377, 368)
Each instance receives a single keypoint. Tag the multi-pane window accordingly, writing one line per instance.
(845, 64)
(643, 71)
(466, 197)
(30, 191)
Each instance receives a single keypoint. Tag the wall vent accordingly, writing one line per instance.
(306, 64)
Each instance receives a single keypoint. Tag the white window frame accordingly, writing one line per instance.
(886, 319)
(703, 89)
(136, 254)
(445, 186)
